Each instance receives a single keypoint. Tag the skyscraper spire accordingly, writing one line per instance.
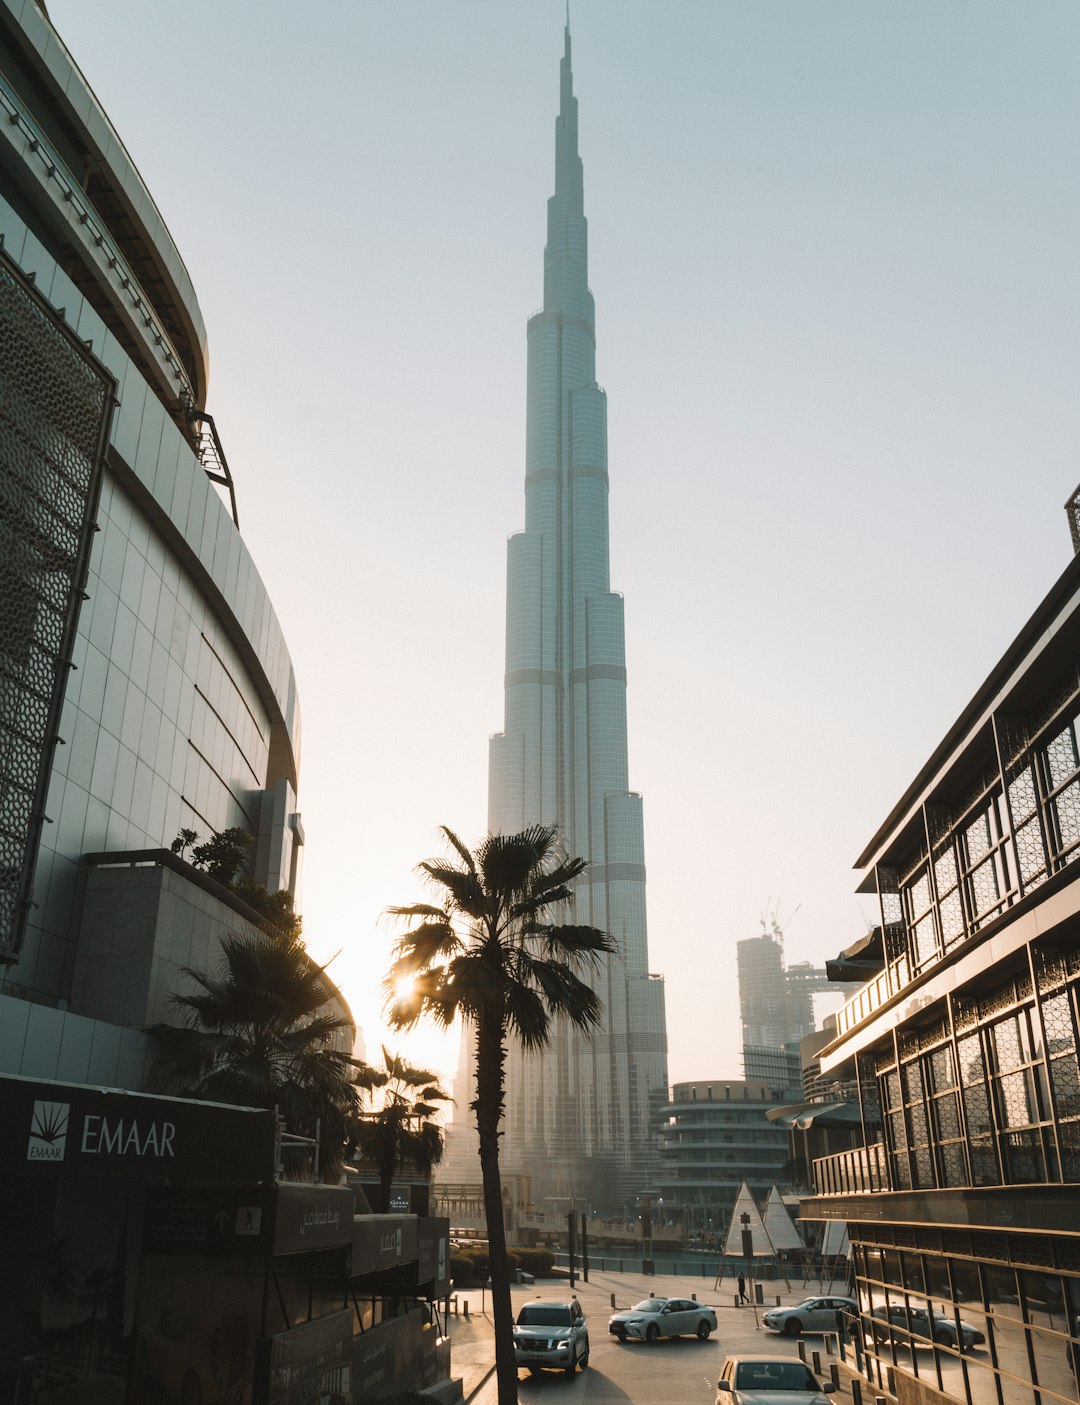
(577, 1118)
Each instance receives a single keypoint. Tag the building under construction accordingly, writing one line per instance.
(777, 1009)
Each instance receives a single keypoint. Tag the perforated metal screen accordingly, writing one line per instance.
(55, 406)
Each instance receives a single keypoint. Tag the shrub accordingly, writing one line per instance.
(538, 1262)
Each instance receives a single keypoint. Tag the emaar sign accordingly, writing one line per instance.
(64, 1127)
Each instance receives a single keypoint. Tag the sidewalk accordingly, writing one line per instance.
(472, 1342)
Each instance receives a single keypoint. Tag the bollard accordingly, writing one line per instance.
(736, 1300)
(465, 1308)
(694, 1296)
(856, 1391)
(613, 1301)
(816, 1358)
(834, 1374)
(778, 1300)
(801, 1349)
(759, 1297)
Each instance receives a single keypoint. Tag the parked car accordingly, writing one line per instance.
(894, 1323)
(654, 1318)
(811, 1315)
(551, 1336)
(770, 1380)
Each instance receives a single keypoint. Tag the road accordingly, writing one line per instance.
(675, 1372)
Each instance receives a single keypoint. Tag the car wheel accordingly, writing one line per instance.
(793, 1327)
(652, 1332)
(571, 1365)
(703, 1330)
(583, 1359)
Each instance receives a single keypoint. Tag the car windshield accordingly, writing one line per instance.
(539, 1315)
(774, 1375)
(649, 1305)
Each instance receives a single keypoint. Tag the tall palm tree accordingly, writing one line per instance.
(257, 1031)
(399, 1131)
(491, 954)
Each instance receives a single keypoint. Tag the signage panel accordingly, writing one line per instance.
(208, 1220)
(383, 1241)
(54, 1127)
(312, 1217)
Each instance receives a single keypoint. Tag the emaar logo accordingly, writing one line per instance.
(48, 1132)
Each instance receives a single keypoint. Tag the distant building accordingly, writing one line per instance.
(962, 1196)
(777, 1010)
(714, 1137)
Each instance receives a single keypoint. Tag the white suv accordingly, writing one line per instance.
(551, 1336)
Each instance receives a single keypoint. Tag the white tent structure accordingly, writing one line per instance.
(760, 1238)
(780, 1227)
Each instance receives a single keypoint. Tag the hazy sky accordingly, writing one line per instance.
(834, 248)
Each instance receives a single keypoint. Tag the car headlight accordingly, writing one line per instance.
(561, 1346)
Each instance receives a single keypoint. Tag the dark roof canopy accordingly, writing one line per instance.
(860, 960)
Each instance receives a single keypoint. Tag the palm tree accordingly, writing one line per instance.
(257, 1031)
(399, 1132)
(492, 955)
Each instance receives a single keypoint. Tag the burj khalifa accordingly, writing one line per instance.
(579, 1117)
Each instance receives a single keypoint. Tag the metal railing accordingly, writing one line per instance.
(858, 1171)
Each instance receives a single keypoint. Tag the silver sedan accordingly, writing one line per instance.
(654, 1318)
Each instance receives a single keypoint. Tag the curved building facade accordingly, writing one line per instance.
(145, 685)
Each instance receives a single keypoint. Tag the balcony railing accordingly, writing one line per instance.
(859, 1171)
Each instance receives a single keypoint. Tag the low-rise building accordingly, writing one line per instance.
(715, 1136)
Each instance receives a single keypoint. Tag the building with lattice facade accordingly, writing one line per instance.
(579, 1118)
(963, 1195)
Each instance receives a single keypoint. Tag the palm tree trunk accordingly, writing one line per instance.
(490, 1058)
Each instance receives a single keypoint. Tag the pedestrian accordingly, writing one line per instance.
(742, 1289)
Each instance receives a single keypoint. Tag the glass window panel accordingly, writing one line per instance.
(954, 1164)
(892, 1269)
(919, 894)
(952, 917)
(977, 837)
(926, 943)
(1024, 1157)
(1017, 1099)
(1002, 1293)
(1044, 1299)
(1005, 1041)
(984, 1162)
(977, 1109)
(985, 891)
(945, 871)
(1030, 849)
(1061, 758)
(1058, 1022)
(1067, 813)
(937, 1276)
(943, 1069)
(1022, 795)
(971, 1059)
(947, 1114)
(912, 1267)
(1054, 1362)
